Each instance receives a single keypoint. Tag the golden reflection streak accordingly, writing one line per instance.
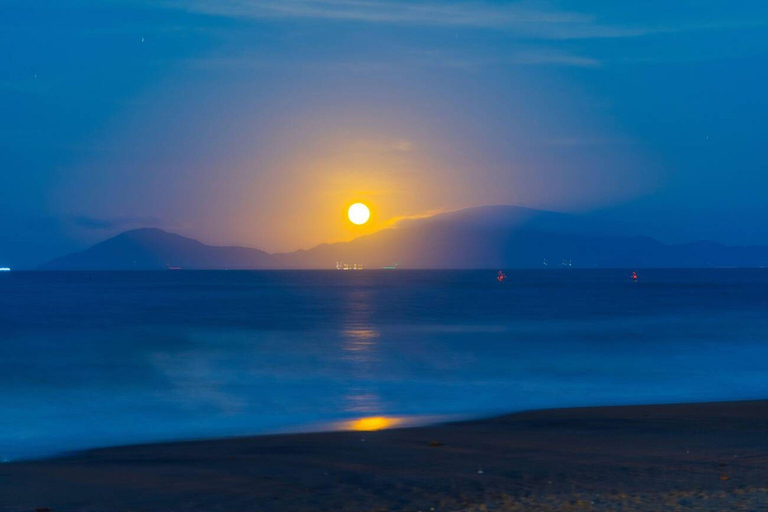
(373, 423)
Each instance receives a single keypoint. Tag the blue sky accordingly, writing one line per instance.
(255, 123)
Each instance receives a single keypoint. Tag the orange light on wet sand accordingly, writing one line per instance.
(374, 423)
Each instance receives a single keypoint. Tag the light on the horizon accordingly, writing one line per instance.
(359, 213)
(5, 269)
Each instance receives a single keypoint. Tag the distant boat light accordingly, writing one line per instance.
(4, 269)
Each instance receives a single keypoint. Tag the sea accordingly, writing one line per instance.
(90, 359)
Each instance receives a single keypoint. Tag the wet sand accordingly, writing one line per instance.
(710, 456)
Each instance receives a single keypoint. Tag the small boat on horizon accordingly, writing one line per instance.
(391, 267)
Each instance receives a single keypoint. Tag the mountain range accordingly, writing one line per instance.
(482, 237)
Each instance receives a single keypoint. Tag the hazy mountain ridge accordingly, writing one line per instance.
(484, 237)
(150, 248)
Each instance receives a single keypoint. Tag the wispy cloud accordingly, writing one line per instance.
(525, 19)
(421, 59)
(405, 219)
(517, 57)
(405, 12)
(522, 17)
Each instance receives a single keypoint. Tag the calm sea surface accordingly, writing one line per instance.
(99, 358)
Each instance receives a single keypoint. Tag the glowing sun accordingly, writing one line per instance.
(359, 213)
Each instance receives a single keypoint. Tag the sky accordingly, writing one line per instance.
(257, 123)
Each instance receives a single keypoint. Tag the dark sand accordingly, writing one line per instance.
(672, 457)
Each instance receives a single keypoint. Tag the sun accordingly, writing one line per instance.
(359, 214)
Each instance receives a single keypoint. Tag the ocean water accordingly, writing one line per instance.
(102, 358)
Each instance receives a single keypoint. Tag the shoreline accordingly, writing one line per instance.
(708, 455)
(346, 425)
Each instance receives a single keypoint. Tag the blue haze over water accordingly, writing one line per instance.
(100, 358)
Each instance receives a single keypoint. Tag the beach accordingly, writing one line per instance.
(708, 456)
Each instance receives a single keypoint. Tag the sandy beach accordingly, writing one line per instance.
(711, 456)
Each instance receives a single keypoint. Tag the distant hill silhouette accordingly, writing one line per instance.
(484, 237)
(150, 249)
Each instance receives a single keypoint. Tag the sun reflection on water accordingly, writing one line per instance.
(359, 346)
(374, 423)
(359, 339)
